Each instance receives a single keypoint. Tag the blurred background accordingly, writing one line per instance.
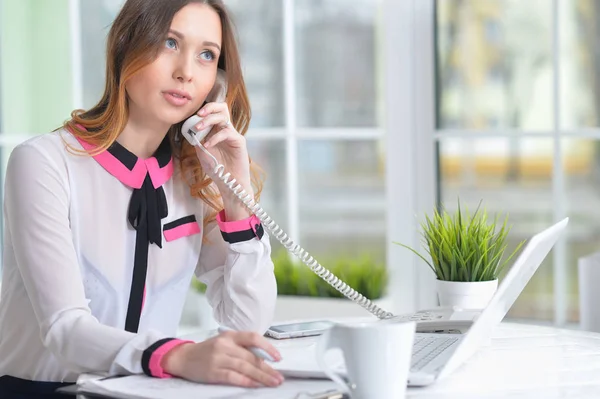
(516, 115)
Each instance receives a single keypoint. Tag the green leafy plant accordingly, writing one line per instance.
(465, 247)
(363, 274)
(294, 278)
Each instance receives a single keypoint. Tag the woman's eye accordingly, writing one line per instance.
(207, 55)
(171, 43)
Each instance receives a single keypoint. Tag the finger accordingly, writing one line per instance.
(232, 377)
(212, 108)
(219, 119)
(228, 347)
(263, 374)
(225, 344)
(249, 339)
(224, 135)
(249, 357)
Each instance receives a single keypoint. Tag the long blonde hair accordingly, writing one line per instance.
(134, 41)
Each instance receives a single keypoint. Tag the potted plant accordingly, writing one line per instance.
(466, 254)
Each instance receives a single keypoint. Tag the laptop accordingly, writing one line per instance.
(436, 355)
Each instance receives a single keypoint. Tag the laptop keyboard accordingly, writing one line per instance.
(426, 348)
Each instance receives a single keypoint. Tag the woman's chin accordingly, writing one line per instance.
(173, 118)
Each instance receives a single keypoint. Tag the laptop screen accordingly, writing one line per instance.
(510, 288)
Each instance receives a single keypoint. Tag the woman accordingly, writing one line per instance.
(108, 217)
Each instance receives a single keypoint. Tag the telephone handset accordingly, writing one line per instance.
(195, 138)
(217, 94)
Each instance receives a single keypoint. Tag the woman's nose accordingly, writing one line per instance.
(183, 70)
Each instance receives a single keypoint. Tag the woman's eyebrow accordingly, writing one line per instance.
(206, 43)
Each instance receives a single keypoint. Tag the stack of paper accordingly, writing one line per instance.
(142, 387)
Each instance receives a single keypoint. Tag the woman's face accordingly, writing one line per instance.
(175, 85)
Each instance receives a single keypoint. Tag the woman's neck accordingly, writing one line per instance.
(142, 139)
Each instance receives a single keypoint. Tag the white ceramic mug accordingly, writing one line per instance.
(377, 358)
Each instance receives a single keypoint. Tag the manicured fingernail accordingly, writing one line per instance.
(275, 381)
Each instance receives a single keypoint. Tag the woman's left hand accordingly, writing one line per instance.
(229, 147)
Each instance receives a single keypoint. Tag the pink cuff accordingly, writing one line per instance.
(240, 230)
(237, 225)
(152, 357)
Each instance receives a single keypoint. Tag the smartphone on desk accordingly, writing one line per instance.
(297, 330)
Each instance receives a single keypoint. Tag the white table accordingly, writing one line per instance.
(525, 361)
(522, 361)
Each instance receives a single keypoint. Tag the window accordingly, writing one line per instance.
(515, 107)
(312, 70)
(35, 72)
(517, 127)
(1, 134)
(261, 47)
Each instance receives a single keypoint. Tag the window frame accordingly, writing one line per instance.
(559, 201)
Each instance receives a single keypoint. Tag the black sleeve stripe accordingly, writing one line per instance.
(179, 222)
(244, 235)
(147, 354)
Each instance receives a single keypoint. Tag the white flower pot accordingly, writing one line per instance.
(466, 295)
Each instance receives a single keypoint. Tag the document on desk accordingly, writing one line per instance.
(143, 387)
(299, 360)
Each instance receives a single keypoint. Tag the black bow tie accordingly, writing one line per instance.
(147, 207)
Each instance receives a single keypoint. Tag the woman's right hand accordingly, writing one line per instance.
(224, 359)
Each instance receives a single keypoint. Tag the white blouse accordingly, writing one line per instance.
(98, 256)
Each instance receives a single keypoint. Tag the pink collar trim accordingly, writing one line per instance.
(133, 178)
